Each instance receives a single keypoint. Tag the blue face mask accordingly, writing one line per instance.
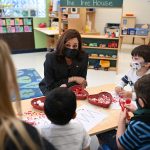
(71, 53)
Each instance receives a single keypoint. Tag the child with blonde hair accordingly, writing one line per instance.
(15, 134)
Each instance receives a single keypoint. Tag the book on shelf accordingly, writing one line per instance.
(8, 29)
(20, 22)
(27, 21)
(8, 22)
(13, 30)
(12, 22)
(21, 29)
(1, 29)
(4, 29)
(27, 29)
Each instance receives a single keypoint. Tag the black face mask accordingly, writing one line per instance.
(71, 53)
(137, 103)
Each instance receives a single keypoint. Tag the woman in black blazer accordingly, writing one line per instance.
(67, 66)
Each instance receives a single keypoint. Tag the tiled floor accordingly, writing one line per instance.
(94, 77)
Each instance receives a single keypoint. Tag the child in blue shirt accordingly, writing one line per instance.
(137, 134)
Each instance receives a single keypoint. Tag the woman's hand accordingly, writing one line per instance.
(79, 80)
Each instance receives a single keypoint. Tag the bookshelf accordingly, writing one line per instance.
(17, 32)
(102, 50)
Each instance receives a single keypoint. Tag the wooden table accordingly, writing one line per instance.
(144, 38)
(52, 36)
(110, 122)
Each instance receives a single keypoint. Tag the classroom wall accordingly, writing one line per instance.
(141, 9)
(106, 15)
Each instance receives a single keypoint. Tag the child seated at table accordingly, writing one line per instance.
(137, 134)
(64, 133)
(140, 66)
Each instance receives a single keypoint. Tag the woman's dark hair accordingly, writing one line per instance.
(60, 105)
(142, 89)
(142, 51)
(66, 36)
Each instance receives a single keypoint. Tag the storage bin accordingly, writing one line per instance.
(142, 32)
(124, 31)
(131, 31)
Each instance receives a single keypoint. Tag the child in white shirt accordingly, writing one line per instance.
(140, 66)
(64, 133)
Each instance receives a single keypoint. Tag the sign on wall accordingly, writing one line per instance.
(91, 3)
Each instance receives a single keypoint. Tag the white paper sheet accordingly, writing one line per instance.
(89, 116)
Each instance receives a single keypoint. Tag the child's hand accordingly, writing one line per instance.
(130, 107)
(125, 94)
(123, 115)
(118, 89)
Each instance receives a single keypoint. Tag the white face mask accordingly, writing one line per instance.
(135, 65)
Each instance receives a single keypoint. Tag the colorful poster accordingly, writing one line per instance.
(23, 8)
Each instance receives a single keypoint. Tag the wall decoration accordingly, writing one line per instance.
(23, 8)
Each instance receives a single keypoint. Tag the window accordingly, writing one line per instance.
(23, 8)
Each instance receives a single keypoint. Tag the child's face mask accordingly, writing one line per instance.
(137, 62)
(135, 65)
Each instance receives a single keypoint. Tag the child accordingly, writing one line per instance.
(140, 66)
(137, 134)
(60, 108)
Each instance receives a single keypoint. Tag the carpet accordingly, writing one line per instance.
(28, 80)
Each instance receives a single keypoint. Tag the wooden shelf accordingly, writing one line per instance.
(64, 13)
(64, 19)
(105, 48)
(90, 12)
(104, 58)
(54, 17)
(137, 36)
(128, 16)
(109, 69)
(97, 37)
